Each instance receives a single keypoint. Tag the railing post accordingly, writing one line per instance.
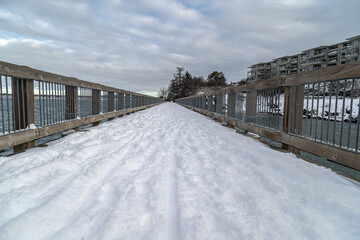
(203, 103)
(96, 103)
(231, 105)
(219, 103)
(134, 101)
(127, 101)
(23, 97)
(251, 97)
(111, 101)
(121, 101)
(209, 103)
(293, 113)
(71, 102)
(111, 104)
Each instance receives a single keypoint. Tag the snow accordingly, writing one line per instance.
(170, 173)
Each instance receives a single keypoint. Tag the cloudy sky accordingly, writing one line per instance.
(137, 44)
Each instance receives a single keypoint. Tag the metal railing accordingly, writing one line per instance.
(298, 110)
(35, 104)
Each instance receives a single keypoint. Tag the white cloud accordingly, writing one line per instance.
(137, 45)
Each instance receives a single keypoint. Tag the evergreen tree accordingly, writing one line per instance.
(176, 85)
(216, 79)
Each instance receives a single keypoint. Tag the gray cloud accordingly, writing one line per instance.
(137, 45)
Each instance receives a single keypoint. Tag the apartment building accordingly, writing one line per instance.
(308, 60)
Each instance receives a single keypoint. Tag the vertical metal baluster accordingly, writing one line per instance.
(268, 107)
(312, 108)
(13, 105)
(80, 102)
(61, 103)
(263, 107)
(336, 103)
(43, 102)
(59, 100)
(307, 109)
(342, 114)
(18, 102)
(51, 104)
(58, 87)
(293, 93)
(257, 106)
(350, 116)
(27, 103)
(55, 103)
(40, 102)
(278, 109)
(2, 106)
(23, 102)
(265, 111)
(72, 112)
(329, 113)
(317, 111)
(47, 104)
(357, 128)
(7, 103)
(271, 99)
(272, 104)
(322, 113)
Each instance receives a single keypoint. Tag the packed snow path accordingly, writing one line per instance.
(170, 173)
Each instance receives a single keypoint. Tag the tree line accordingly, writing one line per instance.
(183, 84)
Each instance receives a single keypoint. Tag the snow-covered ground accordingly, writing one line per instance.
(170, 173)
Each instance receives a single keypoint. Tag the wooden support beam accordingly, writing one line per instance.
(127, 101)
(231, 105)
(121, 101)
(96, 104)
(23, 97)
(71, 102)
(219, 103)
(209, 103)
(111, 100)
(251, 101)
(293, 113)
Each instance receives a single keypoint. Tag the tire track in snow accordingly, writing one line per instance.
(172, 205)
(173, 226)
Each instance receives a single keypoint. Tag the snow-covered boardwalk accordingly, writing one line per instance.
(170, 173)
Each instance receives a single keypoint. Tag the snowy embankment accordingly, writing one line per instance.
(170, 173)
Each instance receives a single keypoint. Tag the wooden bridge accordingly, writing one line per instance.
(170, 173)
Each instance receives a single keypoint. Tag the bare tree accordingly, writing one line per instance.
(163, 92)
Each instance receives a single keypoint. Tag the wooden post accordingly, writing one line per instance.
(209, 103)
(293, 113)
(138, 101)
(133, 99)
(111, 99)
(204, 103)
(219, 103)
(120, 101)
(23, 96)
(111, 104)
(96, 104)
(127, 101)
(71, 102)
(251, 106)
(231, 105)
